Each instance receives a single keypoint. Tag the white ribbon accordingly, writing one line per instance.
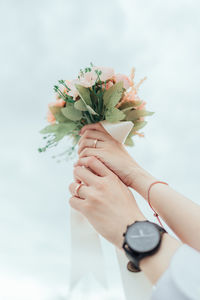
(86, 251)
(118, 130)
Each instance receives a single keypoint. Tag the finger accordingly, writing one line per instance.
(95, 126)
(81, 192)
(77, 203)
(89, 143)
(95, 135)
(85, 175)
(90, 152)
(95, 165)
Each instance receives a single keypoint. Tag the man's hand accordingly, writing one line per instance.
(106, 202)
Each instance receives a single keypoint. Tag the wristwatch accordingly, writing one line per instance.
(141, 239)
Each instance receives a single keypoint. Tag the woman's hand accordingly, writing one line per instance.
(95, 141)
(106, 202)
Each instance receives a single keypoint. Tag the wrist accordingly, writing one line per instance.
(154, 266)
(141, 180)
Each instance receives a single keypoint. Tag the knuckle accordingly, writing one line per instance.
(84, 143)
(76, 170)
(81, 145)
(84, 152)
(86, 133)
(91, 160)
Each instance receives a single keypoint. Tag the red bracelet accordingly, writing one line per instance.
(148, 199)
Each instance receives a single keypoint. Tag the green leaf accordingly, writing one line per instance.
(49, 129)
(133, 115)
(139, 125)
(91, 110)
(126, 106)
(94, 99)
(114, 115)
(129, 139)
(63, 130)
(129, 142)
(59, 130)
(130, 105)
(84, 93)
(80, 105)
(112, 96)
(56, 111)
(84, 107)
(71, 112)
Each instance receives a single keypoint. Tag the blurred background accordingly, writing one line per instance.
(43, 41)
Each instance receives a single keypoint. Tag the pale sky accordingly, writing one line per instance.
(43, 41)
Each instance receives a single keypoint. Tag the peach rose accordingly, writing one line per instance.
(108, 85)
(126, 81)
(50, 117)
(59, 103)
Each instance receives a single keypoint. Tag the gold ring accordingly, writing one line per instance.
(77, 189)
(95, 143)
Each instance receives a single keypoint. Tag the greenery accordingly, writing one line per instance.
(92, 105)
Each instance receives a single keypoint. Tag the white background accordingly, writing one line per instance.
(43, 41)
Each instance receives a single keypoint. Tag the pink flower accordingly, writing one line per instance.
(106, 73)
(126, 81)
(88, 79)
(71, 85)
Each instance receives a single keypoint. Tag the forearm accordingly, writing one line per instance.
(181, 214)
(154, 266)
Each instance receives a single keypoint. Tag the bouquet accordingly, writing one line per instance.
(96, 95)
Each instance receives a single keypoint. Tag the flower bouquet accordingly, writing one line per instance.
(98, 94)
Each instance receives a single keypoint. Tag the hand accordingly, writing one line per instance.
(114, 155)
(108, 150)
(106, 202)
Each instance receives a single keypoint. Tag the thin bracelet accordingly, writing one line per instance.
(148, 199)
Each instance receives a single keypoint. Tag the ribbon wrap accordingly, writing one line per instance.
(86, 251)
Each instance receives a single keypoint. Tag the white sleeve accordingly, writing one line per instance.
(181, 281)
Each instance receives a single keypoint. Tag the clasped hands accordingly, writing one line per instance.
(102, 175)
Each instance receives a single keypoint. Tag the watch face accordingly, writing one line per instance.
(142, 236)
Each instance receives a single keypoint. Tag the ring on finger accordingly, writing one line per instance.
(77, 189)
(95, 143)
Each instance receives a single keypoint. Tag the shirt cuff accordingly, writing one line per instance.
(181, 281)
